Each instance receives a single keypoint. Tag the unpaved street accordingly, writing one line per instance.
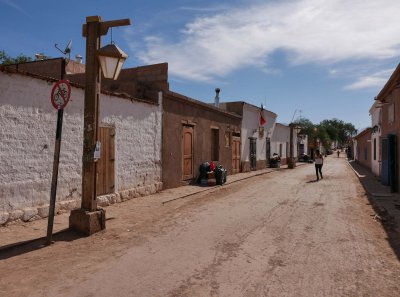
(278, 234)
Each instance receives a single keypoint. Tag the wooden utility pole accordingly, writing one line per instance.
(291, 163)
(89, 219)
(91, 113)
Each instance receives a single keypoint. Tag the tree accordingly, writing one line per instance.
(328, 131)
(307, 127)
(7, 60)
(339, 130)
(323, 135)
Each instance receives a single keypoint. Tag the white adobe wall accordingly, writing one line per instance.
(281, 135)
(138, 141)
(304, 141)
(250, 123)
(355, 146)
(27, 136)
(375, 113)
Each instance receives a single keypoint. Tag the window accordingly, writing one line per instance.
(374, 148)
(227, 139)
(280, 150)
(214, 144)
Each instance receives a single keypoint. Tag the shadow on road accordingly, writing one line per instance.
(388, 222)
(27, 246)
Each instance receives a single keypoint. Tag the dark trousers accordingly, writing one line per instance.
(318, 168)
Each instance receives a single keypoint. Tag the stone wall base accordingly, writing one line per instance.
(35, 213)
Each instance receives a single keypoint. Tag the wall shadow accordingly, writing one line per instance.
(386, 214)
(27, 246)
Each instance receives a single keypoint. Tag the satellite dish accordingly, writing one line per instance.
(68, 47)
(67, 50)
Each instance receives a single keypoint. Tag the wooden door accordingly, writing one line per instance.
(106, 164)
(253, 153)
(389, 162)
(187, 152)
(214, 144)
(235, 155)
(267, 150)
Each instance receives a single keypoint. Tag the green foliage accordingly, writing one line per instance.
(7, 60)
(306, 125)
(328, 131)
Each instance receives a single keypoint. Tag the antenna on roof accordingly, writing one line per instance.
(67, 50)
(295, 111)
(294, 114)
(216, 101)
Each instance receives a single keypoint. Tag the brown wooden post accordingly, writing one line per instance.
(291, 163)
(91, 113)
(89, 219)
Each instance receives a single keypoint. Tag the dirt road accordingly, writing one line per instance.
(279, 234)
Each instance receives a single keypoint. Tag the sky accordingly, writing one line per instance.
(315, 59)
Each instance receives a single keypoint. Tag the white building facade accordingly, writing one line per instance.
(132, 129)
(376, 120)
(280, 142)
(255, 136)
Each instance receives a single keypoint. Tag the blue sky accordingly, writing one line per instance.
(315, 58)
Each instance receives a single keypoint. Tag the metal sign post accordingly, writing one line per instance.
(59, 99)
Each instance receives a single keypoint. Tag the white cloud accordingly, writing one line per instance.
(202, 9)
(310, 31)
(372, 81)
(14, 5)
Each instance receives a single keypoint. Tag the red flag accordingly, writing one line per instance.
(262, 120)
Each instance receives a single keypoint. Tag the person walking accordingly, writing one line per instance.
(338, 153)
(319, 161)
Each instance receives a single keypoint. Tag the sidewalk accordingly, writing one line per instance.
(20, 233)
(385, 203)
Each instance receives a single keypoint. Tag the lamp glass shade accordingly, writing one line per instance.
(111, 59)
(297, 129)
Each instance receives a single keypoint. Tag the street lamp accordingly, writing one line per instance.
(89, 219)
(111, 59)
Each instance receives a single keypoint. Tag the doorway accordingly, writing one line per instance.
(187, 153)
(235, 154)
(253, 153)
(389, 162)
(105, 166)
(267, 150)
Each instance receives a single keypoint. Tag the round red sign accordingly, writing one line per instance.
(60, 94)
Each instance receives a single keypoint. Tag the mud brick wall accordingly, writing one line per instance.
(27, 136)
